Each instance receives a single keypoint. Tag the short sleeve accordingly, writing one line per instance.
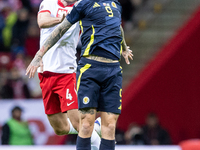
(76, 13)
(118, 6)
(45, 7)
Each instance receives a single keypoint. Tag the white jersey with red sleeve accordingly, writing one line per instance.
(61, 57)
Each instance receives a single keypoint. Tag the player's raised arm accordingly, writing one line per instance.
(51, 40)
(126, 52)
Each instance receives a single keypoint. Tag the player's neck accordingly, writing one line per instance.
(63, 2)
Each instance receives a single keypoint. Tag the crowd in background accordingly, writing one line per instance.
(19, 41)
(150, 133)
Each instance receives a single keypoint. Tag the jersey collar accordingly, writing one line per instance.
(61, 4)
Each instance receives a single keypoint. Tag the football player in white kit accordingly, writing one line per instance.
(57, 76)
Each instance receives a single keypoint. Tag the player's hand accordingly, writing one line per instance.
(127, 54)
(35, 63)
(63, 17)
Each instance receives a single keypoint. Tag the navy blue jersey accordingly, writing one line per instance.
(100, 22)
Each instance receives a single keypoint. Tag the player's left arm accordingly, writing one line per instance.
(57, 33)
(126, 52)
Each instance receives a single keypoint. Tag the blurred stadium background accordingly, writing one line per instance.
(163, 78)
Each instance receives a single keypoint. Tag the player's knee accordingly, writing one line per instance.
(109, 128)
(108, 131)
(86, 128)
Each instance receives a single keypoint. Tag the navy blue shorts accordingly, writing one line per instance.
(99, 85)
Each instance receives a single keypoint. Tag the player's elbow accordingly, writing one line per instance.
(39, 25)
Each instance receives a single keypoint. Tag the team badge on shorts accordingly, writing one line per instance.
(86, 100)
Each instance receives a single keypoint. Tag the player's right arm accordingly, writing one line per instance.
(45, 20)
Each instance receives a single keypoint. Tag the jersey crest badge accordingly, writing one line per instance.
(86, 100)
(60, 12)
(114, 5)
(96, 5)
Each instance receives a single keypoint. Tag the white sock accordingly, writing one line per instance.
(95, 140)
(71, 128)
(97, 126)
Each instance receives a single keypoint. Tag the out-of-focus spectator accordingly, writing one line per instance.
(20, 88)
(13, 81)
(129, 13)
(19, 39)
(134, 135)
(19, 31)
(16, 131)
(127, 9)
(33, 83)
(6, 91)
(32, 41)
(3, 3)
(119, 137)
(10, 19)
(15, 87)
(154, 133)
(35, 6)
(15, 4)
(19, 63)
(5, 60)
(35, 3)
(2, 24)
(27, 4)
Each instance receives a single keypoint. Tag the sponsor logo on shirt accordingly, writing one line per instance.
(96, 5)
